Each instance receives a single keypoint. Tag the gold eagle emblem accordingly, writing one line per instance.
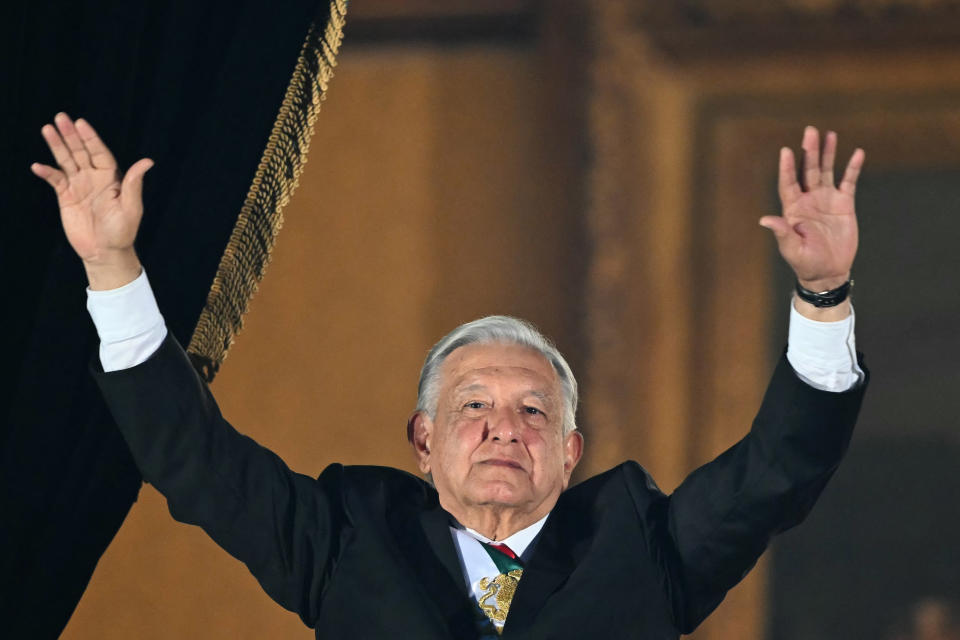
(501, 589)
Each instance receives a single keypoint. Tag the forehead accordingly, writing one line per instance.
(475, 363)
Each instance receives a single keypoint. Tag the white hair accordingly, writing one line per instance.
(490, 330)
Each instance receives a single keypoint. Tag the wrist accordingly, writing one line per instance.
(821, 314)
(112, 270)
(824, 299)
(824, 284)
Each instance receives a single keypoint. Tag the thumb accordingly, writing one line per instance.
(777, 225)
(131, 189)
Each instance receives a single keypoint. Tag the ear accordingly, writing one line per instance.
(419, 432)
(572, 452)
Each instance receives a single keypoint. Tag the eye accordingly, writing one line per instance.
(533, 411)
(475, 404)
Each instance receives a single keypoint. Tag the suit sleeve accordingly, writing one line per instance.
(284, 526)
(721, 518)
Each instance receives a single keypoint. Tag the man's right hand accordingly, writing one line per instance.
(100, 213)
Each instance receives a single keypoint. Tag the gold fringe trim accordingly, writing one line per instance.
(247, 254)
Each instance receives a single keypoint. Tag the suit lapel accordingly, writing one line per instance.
(549, 567)
(436, 528)
(428, 546)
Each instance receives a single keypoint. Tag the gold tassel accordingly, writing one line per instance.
(248, 252)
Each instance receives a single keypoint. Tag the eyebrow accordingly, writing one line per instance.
(545, 397)
(540, 395)
(472, 387)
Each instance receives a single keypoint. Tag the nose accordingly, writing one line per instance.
(504, 427)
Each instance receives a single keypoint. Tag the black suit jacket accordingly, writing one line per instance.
(366, 552)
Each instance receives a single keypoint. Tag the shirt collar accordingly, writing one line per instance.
(518, 542)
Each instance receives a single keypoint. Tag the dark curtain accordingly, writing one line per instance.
(197, 87)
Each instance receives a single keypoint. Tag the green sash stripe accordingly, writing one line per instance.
(505, 564)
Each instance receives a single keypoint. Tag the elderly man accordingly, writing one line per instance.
(495, 543)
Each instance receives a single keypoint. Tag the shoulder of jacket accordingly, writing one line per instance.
(629, 474)
(370, 481)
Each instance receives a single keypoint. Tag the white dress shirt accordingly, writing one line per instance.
(128, 322)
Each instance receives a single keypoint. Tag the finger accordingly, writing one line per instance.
(787, 185)
(780, 227)
(811, 158)
(54, 177)
(59, 150)
(72, 139)
(100, 155)
(829, 155)
(131, 189)
(849, 183)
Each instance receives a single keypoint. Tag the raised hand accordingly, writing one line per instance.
(817, 233)
(100, 212)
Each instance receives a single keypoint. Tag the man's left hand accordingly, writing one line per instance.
(817, 233)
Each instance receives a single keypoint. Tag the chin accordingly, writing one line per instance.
(501, 493)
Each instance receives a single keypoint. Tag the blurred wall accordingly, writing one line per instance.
(597, 168)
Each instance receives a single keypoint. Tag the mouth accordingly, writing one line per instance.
(503, 462)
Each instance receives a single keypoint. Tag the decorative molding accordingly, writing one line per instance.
(646, 371)
(692, 13)
(711, 27)
(608, 211)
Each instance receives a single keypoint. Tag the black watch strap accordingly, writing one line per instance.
(830, 298)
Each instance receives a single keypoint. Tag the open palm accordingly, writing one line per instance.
(817, 233)
(100, 213)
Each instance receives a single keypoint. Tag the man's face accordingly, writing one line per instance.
(497, 436)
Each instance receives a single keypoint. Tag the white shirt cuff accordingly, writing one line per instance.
(824, 354)
(128, 322)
